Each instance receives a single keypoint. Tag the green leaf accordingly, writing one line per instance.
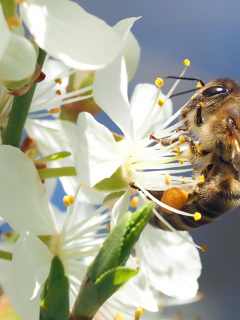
(112, 197)
(9, 8)
(55, 296)
(53, 157)
(108, 256)
(112, 280)
(139, 219)
(116, 182)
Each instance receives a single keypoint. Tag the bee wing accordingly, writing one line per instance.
(236, 150)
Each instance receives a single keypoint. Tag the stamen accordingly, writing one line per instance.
(67, 200)
(186, 62)
(161, 102)
(58, 92)
(175, 198)
(181, 161)
(167, 179)
(204, 248)
(13, 22)
(138, 313)
(159, 82)
(55, 110)
(134, 202)
(119, 316)
(58, 80)
(197, 216)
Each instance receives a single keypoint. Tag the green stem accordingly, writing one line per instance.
(5, 255)
(19, 112)
(57, 172)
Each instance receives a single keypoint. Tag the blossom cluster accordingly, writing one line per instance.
(87, 69)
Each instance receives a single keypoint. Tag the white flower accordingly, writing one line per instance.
(70, 34)
(15, 64)
(25, 207)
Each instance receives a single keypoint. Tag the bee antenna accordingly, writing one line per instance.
(187, 78)
(183, 92)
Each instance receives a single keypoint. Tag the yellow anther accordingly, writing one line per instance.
(182, 177)
(119, 316)
(8, 234)
(159, 82)
(134, 202)
(176, 149)
(54, 110)
(202, 104)
(167, 179)
(58, 80)
(71, 199)
(58, 92)
(13, 22)
(101, 245)
(184, 182)
(189, 132)
(66, 201)
(204, 248)
(182, 139)
(138, 313)
(201, 179)
(186, 62)
(161, 102)
(199, 85)
(197, 216)
(196, 168)
(193, 178)
(108, 227)
(84, 186)
(181, 161)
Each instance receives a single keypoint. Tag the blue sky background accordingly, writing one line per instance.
(207, 33)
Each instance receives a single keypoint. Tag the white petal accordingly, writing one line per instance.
(171, 264)
(131, 55)
(97, 155)
(137, 292)
(27, 309)
(54, 136)
(24, 204)
(31, 262)
(120, 207)
(5, 34)
(70, 34)
(110, 87)
(17, 64)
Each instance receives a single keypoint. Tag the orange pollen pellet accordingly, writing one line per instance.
(196, 168)
(175, 198)
(161, 102)
(58, 92)
(181, 139)
(134, 202)
(201, 179)
(138, 313)
(202, 104)
(204, 248)
(197, 216)
(159, 82)
(58, 80)
(54, 110)
(186, 62)
(84, 186)
(108, 227)
(167, 179)
(199, 85)
(181, 161)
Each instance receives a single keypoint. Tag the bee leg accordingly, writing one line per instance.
(198, 115)
(166, 141)
(194, 148)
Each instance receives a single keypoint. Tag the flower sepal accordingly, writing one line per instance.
(55, 296)
(116, 182)
(108, 273)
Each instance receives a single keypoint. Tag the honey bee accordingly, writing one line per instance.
(213, 116)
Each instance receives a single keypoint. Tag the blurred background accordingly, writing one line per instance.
(207, 33)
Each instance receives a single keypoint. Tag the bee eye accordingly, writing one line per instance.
(231, 123)
(212, 91)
